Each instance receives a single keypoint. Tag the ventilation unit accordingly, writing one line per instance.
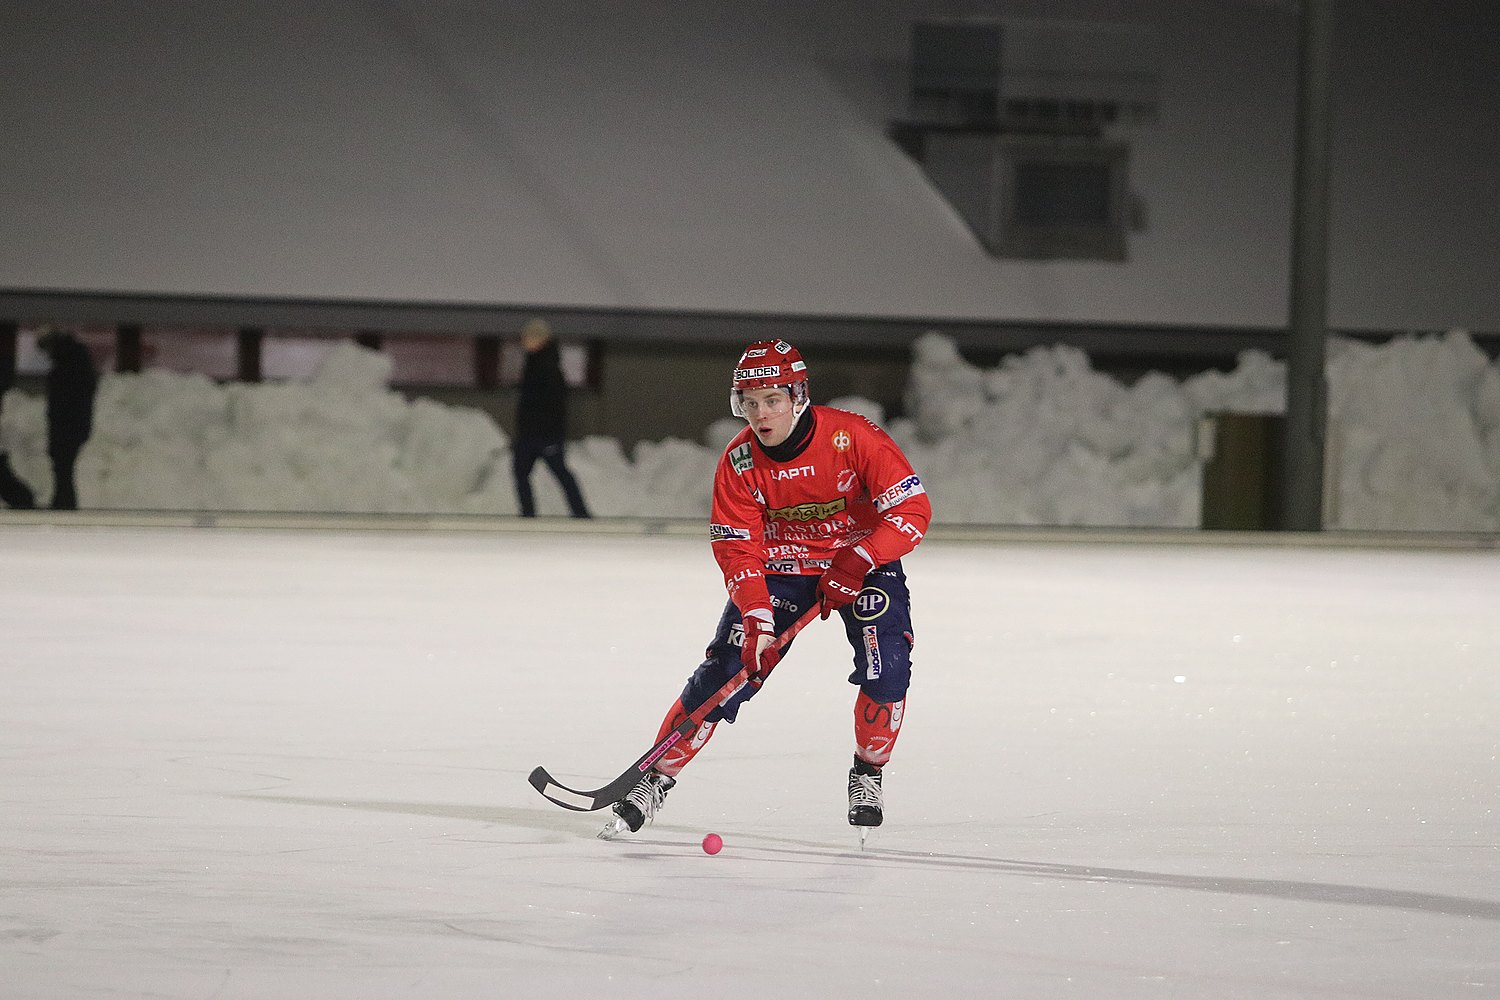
(1032, 72)
(1022, 125)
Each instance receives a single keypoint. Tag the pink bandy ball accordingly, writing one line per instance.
(713, 844)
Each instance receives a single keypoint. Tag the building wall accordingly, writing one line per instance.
(721, 156)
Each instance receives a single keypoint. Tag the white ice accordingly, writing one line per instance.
(1041, 439)
(256, 763)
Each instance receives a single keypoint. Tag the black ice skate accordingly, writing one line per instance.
(866, 806)
(639, 805)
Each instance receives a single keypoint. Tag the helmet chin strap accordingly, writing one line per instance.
(799, 406)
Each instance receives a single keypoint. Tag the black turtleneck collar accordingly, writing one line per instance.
(796, 441)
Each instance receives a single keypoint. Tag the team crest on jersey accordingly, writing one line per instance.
(841, 440)
(809, 511)
(741, 458)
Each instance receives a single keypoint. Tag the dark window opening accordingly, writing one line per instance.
(1062, 194)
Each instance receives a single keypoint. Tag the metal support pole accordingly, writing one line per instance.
(249, 344)
(9, 331)
(1307, 383)
(129, 350)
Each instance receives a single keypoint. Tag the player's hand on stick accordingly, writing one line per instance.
(756, 652)
(844, 579)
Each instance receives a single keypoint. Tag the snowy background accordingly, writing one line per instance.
(1041, 439)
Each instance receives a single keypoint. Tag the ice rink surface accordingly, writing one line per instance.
(291, 764)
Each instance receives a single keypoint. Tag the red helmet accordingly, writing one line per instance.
(770, 364)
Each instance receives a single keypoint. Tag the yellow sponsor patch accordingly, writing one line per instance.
(809, 511)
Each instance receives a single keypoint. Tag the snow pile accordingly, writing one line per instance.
(1413, 443)
(1045, 439)
(339, 442)
(1415, 431)
(1041, 439)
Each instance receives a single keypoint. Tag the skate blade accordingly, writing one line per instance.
(613, 829)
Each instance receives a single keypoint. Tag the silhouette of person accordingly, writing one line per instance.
(541, 420)
(13, 489)
(71, 383)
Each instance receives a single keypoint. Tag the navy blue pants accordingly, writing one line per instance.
(877, 624)
(524, 454)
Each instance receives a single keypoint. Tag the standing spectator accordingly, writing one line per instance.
(541, 419)
(71, 382)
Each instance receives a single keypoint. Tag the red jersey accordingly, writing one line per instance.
(851, 484)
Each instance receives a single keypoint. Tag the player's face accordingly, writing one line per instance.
(770, 414)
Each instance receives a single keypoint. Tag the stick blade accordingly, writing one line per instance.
(557, 793)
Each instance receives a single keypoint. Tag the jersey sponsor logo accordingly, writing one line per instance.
(904, 526)
(796, 472)
(809, 531)
(809, 511)
(872, 652)
(741, 458)
(841, 440)
(783, 566)
(778, 602)
(871, 604)
(761, 371)
(848, 479)
(758, 496)
(785, 551)
(727, 533)
(902, 491)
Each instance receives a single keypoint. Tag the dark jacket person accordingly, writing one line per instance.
(542, 419)
(71, 384)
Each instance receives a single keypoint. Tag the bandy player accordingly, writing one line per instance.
(811, 506)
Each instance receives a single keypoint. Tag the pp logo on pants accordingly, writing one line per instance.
(871, 604)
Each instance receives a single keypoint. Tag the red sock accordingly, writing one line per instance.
(876, 726)
(685, 749)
